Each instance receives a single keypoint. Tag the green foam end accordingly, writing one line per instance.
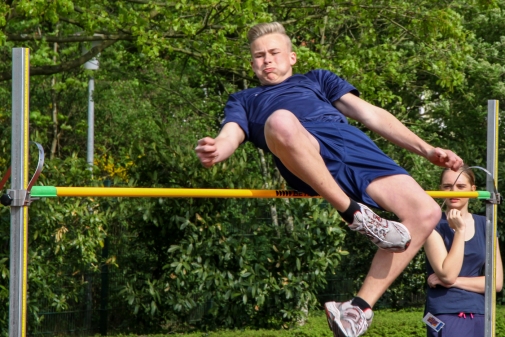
(484, 195)
(44, 192)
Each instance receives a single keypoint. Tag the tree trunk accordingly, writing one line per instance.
(264, 170)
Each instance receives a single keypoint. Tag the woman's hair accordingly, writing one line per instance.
(265, 28)
(466, 171)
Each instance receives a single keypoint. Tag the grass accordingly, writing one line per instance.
(386, 323)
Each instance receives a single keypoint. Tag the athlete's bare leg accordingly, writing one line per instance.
(401, 195)
(298, 150)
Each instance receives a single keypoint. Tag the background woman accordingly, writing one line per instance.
(456, 253)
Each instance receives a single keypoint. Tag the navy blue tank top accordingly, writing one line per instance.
(441, 300)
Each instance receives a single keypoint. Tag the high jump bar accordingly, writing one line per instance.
(53, 192)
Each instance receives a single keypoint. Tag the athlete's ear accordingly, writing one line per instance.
(292, 58)
(474, 188)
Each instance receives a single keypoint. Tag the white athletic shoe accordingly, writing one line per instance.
(385, 234)
(347, 320)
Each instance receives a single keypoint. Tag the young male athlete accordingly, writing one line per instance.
(301, 119)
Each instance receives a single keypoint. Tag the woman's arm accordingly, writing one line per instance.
(499, 268)
(475, 284)
(447, 265)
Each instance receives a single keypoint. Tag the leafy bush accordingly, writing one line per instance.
(222, 254)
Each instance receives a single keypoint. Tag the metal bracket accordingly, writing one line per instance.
(495, 198)
(17, 197)
(22, 197)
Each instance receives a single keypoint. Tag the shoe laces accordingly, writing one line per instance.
(357, 319)
(372, 227)
(378, 229)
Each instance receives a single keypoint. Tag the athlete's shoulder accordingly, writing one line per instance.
(246, 93)
(329, 79)
(243, 96)
(320, 73)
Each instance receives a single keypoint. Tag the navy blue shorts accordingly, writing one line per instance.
(456, 326)
(352, 158)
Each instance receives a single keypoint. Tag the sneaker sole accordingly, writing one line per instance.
(334, 325)
(397, 249)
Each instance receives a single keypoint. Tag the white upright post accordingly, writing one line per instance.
(491, 215)
(90, 148)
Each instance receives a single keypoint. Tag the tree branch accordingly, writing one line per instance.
(408, 31)
(72, 22)
(49, 70)
(76, 38)
(79, 38)
(186, 51)
(317, 16)
(238, 73)
(149, 2)
(163, 4)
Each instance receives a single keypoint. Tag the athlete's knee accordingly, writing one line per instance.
(429, 215)
(435, 214)
(281, 126)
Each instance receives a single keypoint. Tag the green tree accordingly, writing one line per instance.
(166, 70)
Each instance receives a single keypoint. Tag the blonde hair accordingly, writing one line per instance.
(266, 28)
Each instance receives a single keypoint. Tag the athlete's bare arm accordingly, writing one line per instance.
(214, 150)
(385, 124)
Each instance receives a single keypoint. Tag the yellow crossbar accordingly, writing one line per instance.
(212, 193)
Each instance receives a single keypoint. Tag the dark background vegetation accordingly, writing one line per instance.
(166, 70)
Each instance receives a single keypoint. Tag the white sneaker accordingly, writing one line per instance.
(385, 234)
(347, 320)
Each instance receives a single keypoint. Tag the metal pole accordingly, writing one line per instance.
(91, 65)
(91, 123)
(491, 215)
(19, 181)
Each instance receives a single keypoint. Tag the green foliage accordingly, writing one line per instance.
(162, 85)
(246, 279)
(4, 267)
(379, 44)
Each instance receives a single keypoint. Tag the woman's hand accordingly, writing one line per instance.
(456, 221)
(433, 281)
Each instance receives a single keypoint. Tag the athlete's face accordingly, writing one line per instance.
(272, 58)
(462, 184)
